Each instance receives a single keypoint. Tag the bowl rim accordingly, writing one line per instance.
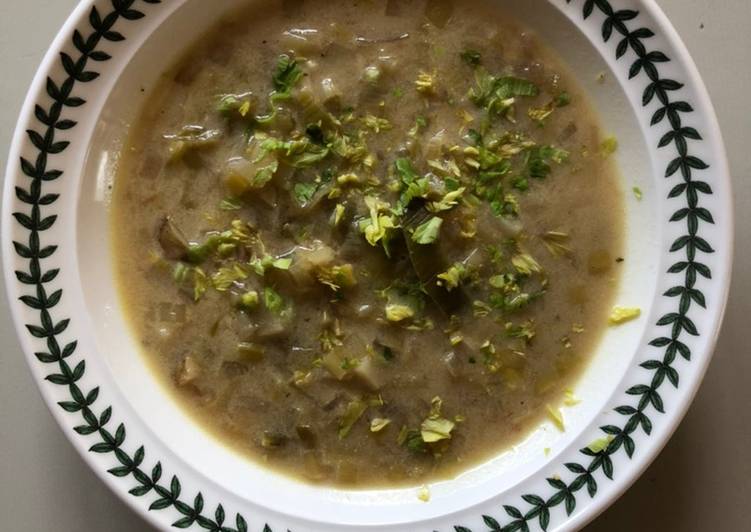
(679, 56)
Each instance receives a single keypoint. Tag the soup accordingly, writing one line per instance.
(368, 243)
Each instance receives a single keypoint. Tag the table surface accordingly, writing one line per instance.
(701, 481)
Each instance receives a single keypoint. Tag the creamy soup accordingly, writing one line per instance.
(368, 243)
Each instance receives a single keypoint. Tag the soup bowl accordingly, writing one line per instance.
(59, 270)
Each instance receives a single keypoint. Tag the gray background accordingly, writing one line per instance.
(701, 481)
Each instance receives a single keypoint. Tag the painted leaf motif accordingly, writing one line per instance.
(657, 89)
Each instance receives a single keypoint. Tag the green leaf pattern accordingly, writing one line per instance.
(109, 437)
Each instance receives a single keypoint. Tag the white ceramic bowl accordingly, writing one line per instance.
(58, 268)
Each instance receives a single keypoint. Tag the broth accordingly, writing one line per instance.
(368, 243)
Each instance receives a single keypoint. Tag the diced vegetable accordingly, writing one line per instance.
(368, 373)
(433, 430)
(371, 74)
(173, 242)
(189, 371)
(242, 175)
(191, 138)
(354, 411)
(307, 436)
(309, 262)
(273, 440)
(249, 352)
(621, 314)
(333, 364)
(378, 424)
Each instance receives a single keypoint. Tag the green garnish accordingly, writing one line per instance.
(304, 192)
(349, 363)
(298, 153)
(638, 194)
(412, 439)
(563, 99)
(526, 331)
(230, 204)
(427, 232)
(449, 201)
(540, 158)
(452, 277)
(376, 123)
(600, 444)
(621, 315)
(406, 171)
(287, 74)
(260, 265)
(337, 277)
(541, 114)
(249, 300)
(425, 83)
(497, 94)
(198, 253)
(338, 214)
(234, 105)
(609, 146)
(180, 273)
(569, 399)
(507, 206)
(226, 276)
(471, 57)
(379, 227)
(282, 263)
(525, 264)
(556, 417)
(420, 124)
(272, 300)
(397, 312)
(556, 243)
(200, 283)
(435, 427)
(433, 430)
